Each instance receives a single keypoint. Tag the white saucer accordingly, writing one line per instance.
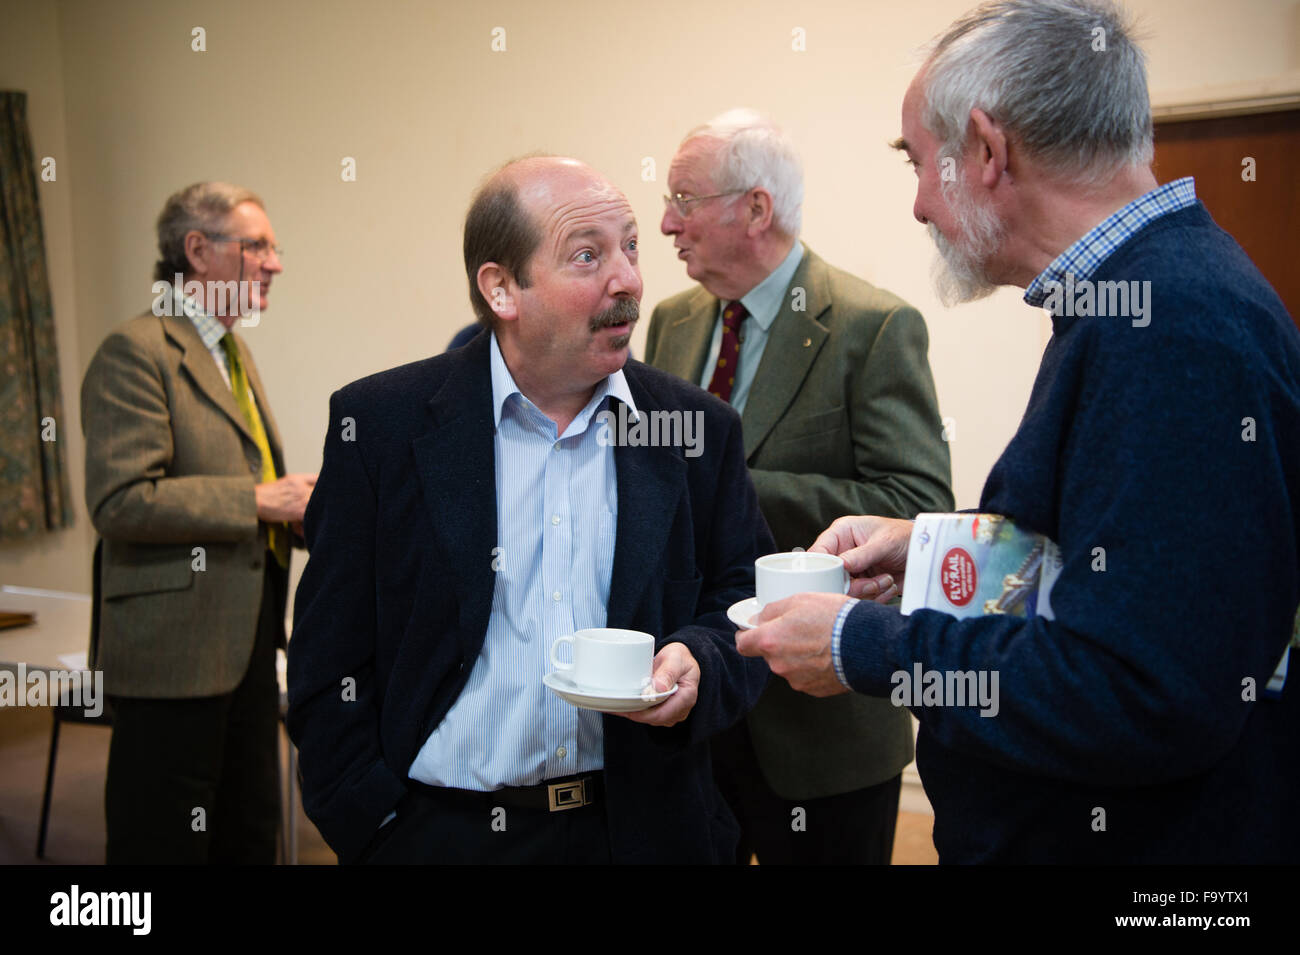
(588, 698)
(742, 614)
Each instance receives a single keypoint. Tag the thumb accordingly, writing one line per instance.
(667, 670)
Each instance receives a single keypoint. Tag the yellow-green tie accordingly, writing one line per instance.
(277, 535)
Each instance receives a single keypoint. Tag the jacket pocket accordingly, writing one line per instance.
(809, 426)
(156, 576)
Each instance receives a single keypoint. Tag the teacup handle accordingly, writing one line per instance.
(847, 581)
(555, 661)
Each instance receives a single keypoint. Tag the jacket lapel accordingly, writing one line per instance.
(792, 347)
(198, 364)
(263, 408)
(650, 482)
(686, 345)
(455, 461)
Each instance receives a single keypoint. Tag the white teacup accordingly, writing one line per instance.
(778, 576)
(615, 661)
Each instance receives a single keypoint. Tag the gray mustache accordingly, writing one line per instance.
(620, 313)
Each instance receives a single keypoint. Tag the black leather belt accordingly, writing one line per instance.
(556, 795)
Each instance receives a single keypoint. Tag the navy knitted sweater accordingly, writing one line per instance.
(1133, 727)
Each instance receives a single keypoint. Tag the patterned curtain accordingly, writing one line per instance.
(34, 492)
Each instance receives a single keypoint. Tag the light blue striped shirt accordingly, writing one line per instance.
(763, 302)
(557, 513)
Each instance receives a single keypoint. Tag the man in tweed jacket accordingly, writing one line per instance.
(191, 591)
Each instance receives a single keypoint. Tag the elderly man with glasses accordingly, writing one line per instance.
(186, 485)
(830, 376)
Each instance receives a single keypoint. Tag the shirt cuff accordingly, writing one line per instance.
(872, 638)
(835, 639)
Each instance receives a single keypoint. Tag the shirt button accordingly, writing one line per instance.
(555, 518)
(556, 595)
(561, 752)
(557, 445)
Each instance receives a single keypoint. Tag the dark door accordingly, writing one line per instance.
(1264, 214)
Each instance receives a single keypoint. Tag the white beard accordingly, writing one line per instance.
(959, 271)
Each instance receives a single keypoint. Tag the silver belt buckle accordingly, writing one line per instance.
(560, 796)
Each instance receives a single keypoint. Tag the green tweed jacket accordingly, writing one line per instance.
(842, 419)
(170, 470)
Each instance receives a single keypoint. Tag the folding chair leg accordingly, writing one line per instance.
(293, 805)
(49, 786)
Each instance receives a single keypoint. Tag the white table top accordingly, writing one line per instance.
(62, 628)
(60, 637)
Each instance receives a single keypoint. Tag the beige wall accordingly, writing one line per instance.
(414, 93)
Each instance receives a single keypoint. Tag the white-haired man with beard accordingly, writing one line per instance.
(1150, 720)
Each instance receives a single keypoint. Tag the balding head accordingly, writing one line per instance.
(563, 307)
(515, 207)
(543, 181)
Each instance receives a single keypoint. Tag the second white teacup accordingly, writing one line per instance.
(778, 576)
(616, 661)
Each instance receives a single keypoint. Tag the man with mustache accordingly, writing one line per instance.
(1150, 719)
(471, 510)
(830, 377)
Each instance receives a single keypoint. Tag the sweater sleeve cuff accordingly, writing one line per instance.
(866, 645)
(835, 640)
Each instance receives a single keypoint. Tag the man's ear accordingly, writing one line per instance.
(498, 288)
(758, 211)
(990, 144)
(198, 250)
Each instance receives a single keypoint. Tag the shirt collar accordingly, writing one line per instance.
(1083, 257)
(763, 301)
(207, 325)
(503, 387)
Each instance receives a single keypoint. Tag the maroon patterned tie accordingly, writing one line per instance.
(724, 374)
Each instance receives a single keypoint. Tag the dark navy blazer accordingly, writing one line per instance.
(393, 606)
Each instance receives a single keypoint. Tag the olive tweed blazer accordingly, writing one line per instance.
(842, 419)
(170, 470)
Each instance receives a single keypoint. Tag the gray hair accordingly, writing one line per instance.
(756, 152)
(1065, 77)
(204, 207)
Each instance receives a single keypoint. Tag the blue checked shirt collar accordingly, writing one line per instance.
(1083, 257)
